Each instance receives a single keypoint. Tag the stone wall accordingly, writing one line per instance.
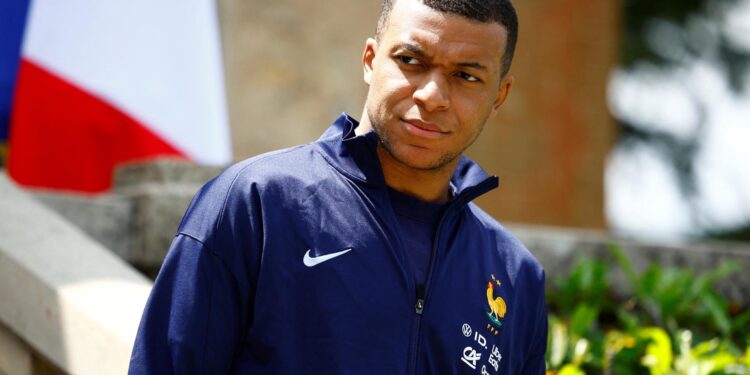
(549, 145)
(139, 218)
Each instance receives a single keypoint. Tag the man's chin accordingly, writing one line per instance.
(416, 158)
(433, 164)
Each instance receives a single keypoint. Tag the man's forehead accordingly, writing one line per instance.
(412, 16)
(407, 7)
(438, 34)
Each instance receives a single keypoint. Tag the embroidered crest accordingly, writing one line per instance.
(497, 306)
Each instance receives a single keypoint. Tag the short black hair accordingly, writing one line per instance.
(486, 11)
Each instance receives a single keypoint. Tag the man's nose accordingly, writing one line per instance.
(433, 94)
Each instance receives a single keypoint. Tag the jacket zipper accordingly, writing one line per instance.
(422, 294)
(419, 306)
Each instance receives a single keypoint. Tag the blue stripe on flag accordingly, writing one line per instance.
(12, 22)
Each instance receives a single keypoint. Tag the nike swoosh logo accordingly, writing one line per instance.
(311, 262)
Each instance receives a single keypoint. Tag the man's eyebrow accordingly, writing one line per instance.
(474, 65)
(413, 49)
(420, 53)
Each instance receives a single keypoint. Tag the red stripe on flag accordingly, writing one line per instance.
(62, 137)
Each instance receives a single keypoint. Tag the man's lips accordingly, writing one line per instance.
(423, 129)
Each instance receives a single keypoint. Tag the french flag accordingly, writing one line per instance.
(103, 82)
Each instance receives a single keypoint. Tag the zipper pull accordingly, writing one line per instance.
(419, 307)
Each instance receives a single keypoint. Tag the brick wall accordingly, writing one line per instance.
(550, 143)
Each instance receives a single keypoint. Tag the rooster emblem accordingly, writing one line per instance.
(497, 306)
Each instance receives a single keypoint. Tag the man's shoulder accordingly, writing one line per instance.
(280, 168)
(252, 183)
(274, 164)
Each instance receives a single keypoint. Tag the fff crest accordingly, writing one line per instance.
(497, 306)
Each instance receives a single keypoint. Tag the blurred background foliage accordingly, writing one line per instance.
(672, 323)
(694, 30)
(663, 320)
(671, 35)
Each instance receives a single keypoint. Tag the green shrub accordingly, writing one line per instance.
(672, 323)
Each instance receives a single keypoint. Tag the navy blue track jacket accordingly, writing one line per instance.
(291, 263)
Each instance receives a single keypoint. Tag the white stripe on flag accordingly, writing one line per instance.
(159, 61)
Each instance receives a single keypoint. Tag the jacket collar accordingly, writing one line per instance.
(355, 157)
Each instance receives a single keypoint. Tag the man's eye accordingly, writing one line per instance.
(468, 77)
(408, 60)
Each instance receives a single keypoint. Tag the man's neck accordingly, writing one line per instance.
(429, 186)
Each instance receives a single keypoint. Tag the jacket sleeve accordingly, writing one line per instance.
(191, 323)
(536, 363)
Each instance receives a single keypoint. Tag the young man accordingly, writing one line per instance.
(361, 253)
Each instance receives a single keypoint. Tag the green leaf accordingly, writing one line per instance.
(718, 311)
(742, 322)
(625, 264)
(583, 318)
(629, 320)
(649, 282)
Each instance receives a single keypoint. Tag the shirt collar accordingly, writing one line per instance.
(355, 156)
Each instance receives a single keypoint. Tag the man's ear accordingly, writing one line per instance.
(502, 94)
(367, 57)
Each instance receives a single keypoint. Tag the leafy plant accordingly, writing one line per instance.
(673, 298)
(593, 332)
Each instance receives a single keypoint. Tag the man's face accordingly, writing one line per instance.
(434, 81)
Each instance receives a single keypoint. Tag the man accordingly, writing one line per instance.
(361, 253)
